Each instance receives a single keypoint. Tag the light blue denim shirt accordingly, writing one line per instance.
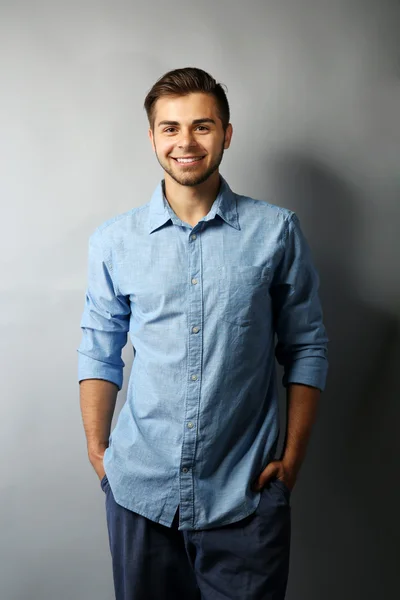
(202, 306)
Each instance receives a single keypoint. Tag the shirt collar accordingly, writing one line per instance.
(224, 205)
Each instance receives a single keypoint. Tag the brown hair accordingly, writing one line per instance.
(181, 82)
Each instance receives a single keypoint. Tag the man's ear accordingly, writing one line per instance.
(228, 136)
(150, 133)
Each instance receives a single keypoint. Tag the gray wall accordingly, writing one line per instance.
(315, 97)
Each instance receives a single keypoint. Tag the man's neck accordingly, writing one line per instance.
(190, 204)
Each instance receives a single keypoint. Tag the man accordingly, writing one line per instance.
(202, 278)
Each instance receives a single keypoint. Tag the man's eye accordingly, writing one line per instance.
(173, 128)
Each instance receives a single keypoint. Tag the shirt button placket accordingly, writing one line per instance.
(195, 313)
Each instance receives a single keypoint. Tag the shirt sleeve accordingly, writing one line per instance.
(298, 319)
(105, 320)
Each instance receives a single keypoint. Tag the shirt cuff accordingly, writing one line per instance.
(309, 371)
(91, 368)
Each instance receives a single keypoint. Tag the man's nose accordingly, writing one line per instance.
(186, 140)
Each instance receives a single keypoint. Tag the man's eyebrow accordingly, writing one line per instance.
(195, 122)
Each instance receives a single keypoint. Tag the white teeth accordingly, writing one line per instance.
(188, 160)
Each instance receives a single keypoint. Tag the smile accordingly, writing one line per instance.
(188, 161)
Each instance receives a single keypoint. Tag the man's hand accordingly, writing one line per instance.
(96, 460)
(277, 469)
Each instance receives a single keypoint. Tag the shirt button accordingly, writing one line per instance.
(194, 281)
(185, 470)
(190, 425)
(195, 329)
(194, 236)
(194, 377)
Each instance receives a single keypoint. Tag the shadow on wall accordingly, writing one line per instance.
(345, 525)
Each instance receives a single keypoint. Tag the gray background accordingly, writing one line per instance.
(315, 98)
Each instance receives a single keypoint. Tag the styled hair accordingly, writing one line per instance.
(181, 82)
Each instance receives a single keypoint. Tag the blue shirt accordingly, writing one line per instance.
(202, 306)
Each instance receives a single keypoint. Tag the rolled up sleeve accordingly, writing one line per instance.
(302, 343)
(105, 320)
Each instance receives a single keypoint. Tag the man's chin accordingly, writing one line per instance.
(189, 180)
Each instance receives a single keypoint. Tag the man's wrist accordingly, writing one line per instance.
(291, 464)
(96, 452)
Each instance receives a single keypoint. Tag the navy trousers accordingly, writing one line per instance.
(246, 560)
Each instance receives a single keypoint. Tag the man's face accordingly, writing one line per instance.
(180, 137)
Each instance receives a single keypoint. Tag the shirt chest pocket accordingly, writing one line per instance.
(243, 294)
